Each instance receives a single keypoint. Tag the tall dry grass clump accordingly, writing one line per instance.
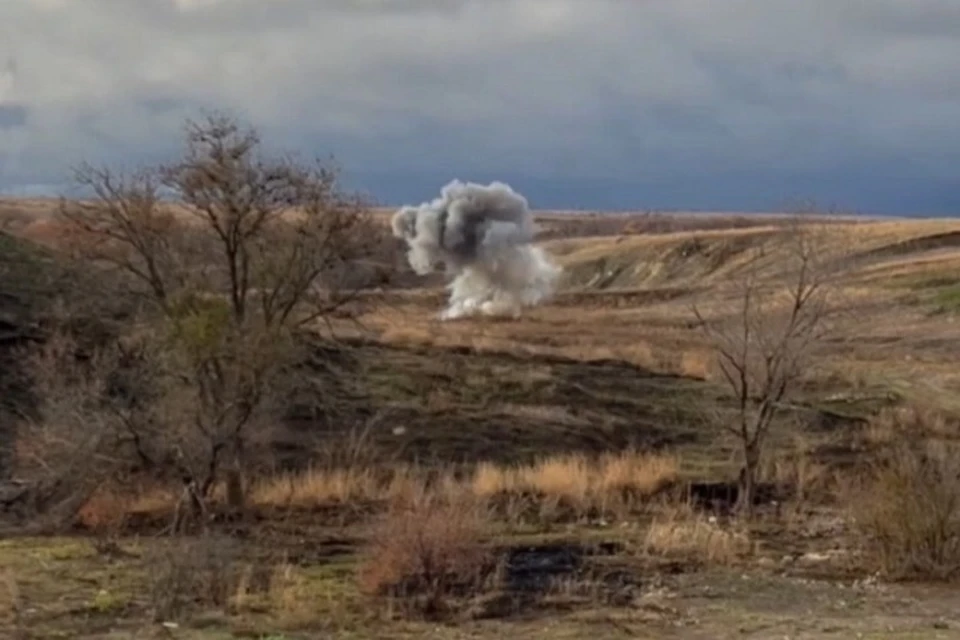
(427, 556)
(606, 482)
(680, 532)
(644, 474)
(576, 481)
(907, 511)
(316, 487)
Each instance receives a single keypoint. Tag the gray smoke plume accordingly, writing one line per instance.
(482, 236)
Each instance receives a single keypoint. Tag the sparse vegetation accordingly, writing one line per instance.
(232, 369)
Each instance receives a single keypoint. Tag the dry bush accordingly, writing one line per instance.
(683, 533)
(98, 417)
(907, 511)
(428, 556)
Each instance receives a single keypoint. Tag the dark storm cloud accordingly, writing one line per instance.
(740, 103)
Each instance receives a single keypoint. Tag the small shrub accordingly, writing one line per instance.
(907, 511)
(428, 555)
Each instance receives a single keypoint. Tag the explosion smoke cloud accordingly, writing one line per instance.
(482, 236)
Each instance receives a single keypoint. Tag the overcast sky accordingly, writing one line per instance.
(706, 104)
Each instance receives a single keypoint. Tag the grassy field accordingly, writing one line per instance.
(562, 475)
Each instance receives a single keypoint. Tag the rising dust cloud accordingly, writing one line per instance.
(482, 236)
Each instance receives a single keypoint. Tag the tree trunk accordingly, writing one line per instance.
(236, 489)
(748, 479)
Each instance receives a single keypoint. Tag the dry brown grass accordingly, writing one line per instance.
(580, 481)
(289, 596)
(696, 363)
(644, 474)
(611, 483)
(317, 487)
(682, 533)
(912, 422)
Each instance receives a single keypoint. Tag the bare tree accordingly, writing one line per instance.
(233, 255)
(781, 312)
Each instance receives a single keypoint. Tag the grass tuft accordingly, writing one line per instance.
(680, 532)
